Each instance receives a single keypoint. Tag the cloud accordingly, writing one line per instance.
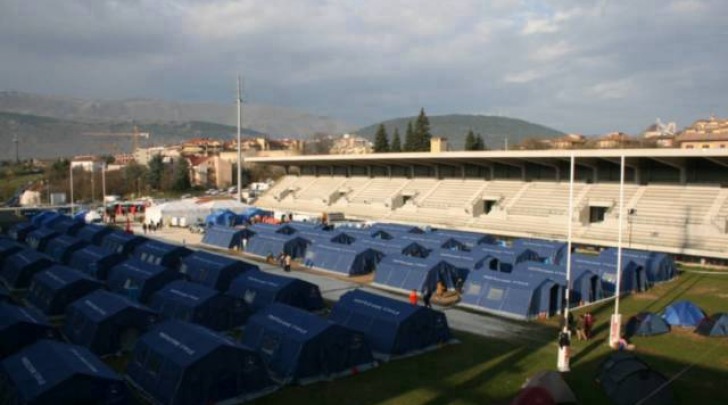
(561, 63)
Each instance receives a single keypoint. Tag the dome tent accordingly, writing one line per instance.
(716, 325)
(646, 324)
(683, 313)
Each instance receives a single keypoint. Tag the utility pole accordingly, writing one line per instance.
(563, 357)
(103, 185)
(615, 328)
(70, 168)
(240, 153)
(17, 154)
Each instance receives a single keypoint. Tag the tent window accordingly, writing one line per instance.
(473, 289)
(495, 294)
(249, 296)
(158, 261)
(144, 256)
(183, 268)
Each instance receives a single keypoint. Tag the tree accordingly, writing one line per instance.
(135, 176)
(470, 141)
(396, 145)
(181, 177)
(381, 140)
(155, 173)
(479, 143)
(422, 133)
(409, 138)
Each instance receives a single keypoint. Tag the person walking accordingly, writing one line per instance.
(413, 297)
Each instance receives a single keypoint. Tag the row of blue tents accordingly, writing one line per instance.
(683, 314)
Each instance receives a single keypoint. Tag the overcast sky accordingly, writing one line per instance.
(587, 66)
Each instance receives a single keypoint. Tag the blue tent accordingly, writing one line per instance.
(190, 302)
(53, 289)
(8, 247)
(266, 244)
(548, 251)
(305, 226)
(683, 313)
(658, 267)
(121, 242)
(227, 238)
(51, 372)
(515, 295)
(21, 230)
(414, 273)
(392, 327)
(283, 229)
(646, 324)
(434, 241)
(161, 253)
(586, 286)
(20, 327)
(394, 247)
(366, 233)
(396, 228)
(95, 261)
(19, 268)
(628, 380)
(463, 261)
(45, 216)
(39, 238)
(62, 247)
(179, 363)
(349, 260)
(633, 277)
(225, 218)
(321, 236)
(470, 239)
(503, 259)
(94, 233)
(139, 280)
(716, 325)
(65, 225)
(298, 346)
(251, 212)
(260, 289)
(106, 323)
(214, 271)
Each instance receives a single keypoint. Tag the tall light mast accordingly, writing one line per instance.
(240, 153)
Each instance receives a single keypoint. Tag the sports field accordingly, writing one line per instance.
(488, 371)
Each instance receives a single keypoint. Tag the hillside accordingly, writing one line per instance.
(455, 127)
(45, 137)
(278, 122)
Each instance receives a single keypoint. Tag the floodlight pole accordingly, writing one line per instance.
(240, 153)
(103, 186)
(565, 335)
(70, 168)
(616, 321)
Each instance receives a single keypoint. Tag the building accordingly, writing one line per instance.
(202, 146)
(351, 145)
(143, 155)
(616, 140)
(569, 141)
(705, 134)
(89, 163)
(213, 172)
(438, 145)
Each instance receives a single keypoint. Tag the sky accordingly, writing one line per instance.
(583, 66)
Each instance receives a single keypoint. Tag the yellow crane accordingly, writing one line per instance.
(135, 136)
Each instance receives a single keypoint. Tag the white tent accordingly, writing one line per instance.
(189, 211)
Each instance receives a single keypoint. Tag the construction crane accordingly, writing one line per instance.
(135, 136)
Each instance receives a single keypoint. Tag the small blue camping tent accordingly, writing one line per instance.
(161, 253)
(190, 302)
(342, 259)
(646, 324)
(214, 271)
(39, 238)
(8, 247)
(716, 325)
(139, 280)
(19, 327)
(94, 234)
(414, 273)
(516, 295)
(106, 323)
(95, 261)
(392, 327)
(179, 363)
(259, 289)
(50, 372)
(266, 244)
(121, 242)
(54, 288)
(683, 313)
(226, 238)
(21, 230)
(502, 258)
(628, 380)
(20, 267)
(548, 251)
(298, 346)
(62, 247)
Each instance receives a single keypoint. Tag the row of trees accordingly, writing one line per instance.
(417, 137)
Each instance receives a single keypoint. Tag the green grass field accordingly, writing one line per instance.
(488, 371)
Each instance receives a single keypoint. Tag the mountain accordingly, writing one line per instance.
(277, 122)
(456, 126)
(46, 137)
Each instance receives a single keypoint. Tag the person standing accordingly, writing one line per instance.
(588, 324)
(413, 297)
(580, 331)
(287, 264)
(426, 298)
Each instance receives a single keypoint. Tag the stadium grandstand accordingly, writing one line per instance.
(675, 200)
